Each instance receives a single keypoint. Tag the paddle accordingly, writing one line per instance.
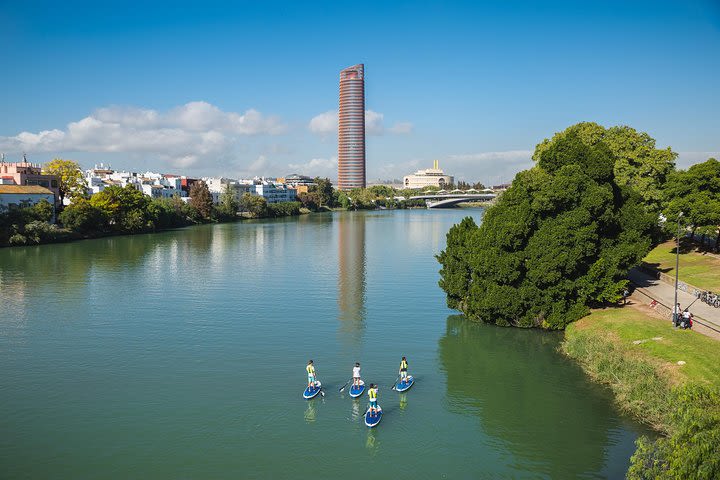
(346, 384)
(395, 383)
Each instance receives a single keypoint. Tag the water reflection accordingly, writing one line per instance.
(528, 398)
(403, 401)
(371, 443)
(310, 412)
(351, 274)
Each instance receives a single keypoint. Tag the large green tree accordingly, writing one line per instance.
(256, 205)
(696, 193)
(559, 240)
(125, 208)
(201, 199)
(324, 189)
(72, 181)
(637, 162)
(229, 205)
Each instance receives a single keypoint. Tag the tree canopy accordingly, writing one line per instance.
(201, 199)
(72, 182)
(637, 162)
(696, 193)
(559, 240)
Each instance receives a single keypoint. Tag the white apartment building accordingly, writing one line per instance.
(275, 193)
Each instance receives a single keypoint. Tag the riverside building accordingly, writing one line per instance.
(351, 128)
(430, 177)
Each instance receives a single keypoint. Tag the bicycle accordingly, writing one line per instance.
(709, 298)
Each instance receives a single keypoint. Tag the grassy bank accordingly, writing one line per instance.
(667, 378)
(700, 270)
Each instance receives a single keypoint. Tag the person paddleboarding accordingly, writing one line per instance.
(311, 374)
(403, 370)
(372, 396)
(356, 375)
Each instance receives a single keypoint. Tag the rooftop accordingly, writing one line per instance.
(24, 189)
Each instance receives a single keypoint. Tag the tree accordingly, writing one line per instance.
(83, 217)
(310, 200)
(692, 449)
(696, 193)
(125, 208)
(72, 181)
(323, 187)
(637, 163)
(560, 240)
(254, 204)
(228, 203)
(201, 199)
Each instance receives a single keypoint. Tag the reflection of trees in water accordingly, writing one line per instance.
(528, 396)
(70, 265)
(351, 273)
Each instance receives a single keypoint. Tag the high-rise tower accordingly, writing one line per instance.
(351, 128)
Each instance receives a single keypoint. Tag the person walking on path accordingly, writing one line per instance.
(676, 315)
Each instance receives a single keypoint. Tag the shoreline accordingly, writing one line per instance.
(659, 376)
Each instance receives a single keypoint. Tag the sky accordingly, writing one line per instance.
(240, 89)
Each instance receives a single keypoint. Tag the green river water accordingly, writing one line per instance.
(182, 355)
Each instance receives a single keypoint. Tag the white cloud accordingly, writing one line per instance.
(373, 122)
(316, 167)
(182, 136)
(326, 123)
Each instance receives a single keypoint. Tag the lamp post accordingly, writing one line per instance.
(675, 310)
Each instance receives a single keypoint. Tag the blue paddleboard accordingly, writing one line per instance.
(372, 421)
(357, 391)
(405, 386)
(311, 392)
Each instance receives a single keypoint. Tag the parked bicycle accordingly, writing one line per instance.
(712, 299)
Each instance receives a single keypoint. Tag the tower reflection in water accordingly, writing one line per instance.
(351, 275)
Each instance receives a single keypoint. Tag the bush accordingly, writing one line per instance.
(84, 218)
(283, 209)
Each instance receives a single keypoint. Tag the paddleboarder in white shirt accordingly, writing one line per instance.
(356, 375)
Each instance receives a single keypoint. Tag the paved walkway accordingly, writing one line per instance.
(665, 294)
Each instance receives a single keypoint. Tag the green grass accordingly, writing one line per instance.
(680, 401)
(702, 271)
(701, 354)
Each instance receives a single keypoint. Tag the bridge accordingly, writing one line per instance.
(446, 200)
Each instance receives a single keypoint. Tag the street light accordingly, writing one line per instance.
(676, 311)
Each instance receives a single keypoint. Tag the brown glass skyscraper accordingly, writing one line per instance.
(351, 128)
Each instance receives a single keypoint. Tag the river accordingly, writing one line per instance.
(182, 355)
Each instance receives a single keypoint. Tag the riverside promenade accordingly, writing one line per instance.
(664, 294)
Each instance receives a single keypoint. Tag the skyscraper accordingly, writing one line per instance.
(351, 128)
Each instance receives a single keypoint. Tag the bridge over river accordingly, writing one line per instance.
(446, 200)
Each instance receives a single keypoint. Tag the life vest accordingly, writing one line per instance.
(372, 393)
(403, 365)
(310, 369)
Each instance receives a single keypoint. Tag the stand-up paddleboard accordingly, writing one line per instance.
(403, 386)
(357, 391)
(372, 420)
(311, 392)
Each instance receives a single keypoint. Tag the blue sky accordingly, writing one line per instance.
(232, 88)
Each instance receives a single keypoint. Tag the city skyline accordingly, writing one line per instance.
(241, 90)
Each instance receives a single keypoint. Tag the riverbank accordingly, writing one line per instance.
(665, 377)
